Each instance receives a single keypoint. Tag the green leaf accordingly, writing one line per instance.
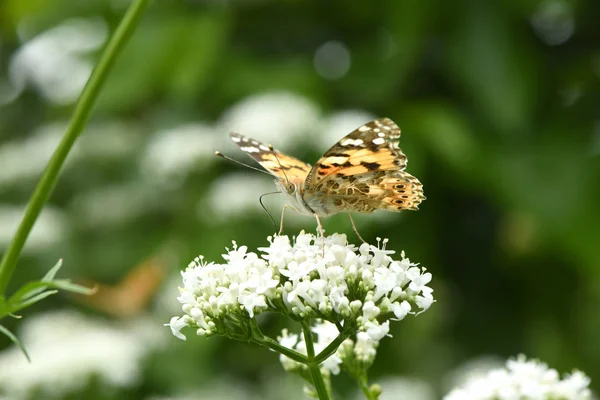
(68, 286)
(30, 301)
(50, 275)
(28, 290)
(32, 289)
(15, 340)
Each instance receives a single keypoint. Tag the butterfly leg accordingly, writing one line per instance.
(321, 232)
(354, 228)
(282, 215)
(320, 229)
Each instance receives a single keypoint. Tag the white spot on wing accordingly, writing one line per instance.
(378, 141)
(364, 128)
(381, 134)
(351, 142)
(236, 139)
(250, 149)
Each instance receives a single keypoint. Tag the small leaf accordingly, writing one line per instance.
(31, 289)
(50, 275)
(15, 340)
(28, 302)
(67, 285)
(28, 290)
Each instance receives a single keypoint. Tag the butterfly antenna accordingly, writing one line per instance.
(287, 181)
(265, 208)
(218, 153)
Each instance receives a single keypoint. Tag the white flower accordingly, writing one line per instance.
(365, 348)
(311, 278)
(49, 230)
(55, 61)
(114, 205)
(340, 124)
(400, 309)
(68, 350)
(172, 153)
(523, 379)
(278, 118)
(23, 159)
(395, 387)
(177, 324)
(247, 186)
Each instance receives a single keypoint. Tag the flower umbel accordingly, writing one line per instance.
(343, 296)
(523, 379)
(308, 278)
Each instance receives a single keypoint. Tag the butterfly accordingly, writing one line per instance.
(365, 171)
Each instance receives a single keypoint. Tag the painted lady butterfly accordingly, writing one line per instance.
(363, 172)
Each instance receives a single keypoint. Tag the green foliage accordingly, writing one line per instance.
(499, 121)
(33, 292)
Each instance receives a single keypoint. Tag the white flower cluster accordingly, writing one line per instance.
(523, 379)
(70, 350)
(311, 278)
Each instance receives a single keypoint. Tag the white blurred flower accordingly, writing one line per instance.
(114, 205)
(553, 21)
(55, 61)
(400, 387)
(108, 140)
(339, 124)
(171, 154)
(278, 118)
(242, 192)
(332, 60)
(222, 389)
(69, 349)
(50, 228)
(26, 158)
(475, 367)
(523, 379)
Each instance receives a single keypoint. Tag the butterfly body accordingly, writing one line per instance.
(363, 172)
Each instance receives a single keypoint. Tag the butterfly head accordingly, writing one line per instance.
(286, 186)
(292, 190)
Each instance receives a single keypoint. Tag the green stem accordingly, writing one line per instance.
(364, 386)
(259, 338)
(331, 348)
(80, 117)
(313, 367)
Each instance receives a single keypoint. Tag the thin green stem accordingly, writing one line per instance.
(80, 117)
(364, 386)
(313, 367)
(331, 348)
(260, 339)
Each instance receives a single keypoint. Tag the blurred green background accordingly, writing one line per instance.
(499, 105)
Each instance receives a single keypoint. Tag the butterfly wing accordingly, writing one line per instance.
(284, 167)
(364, 172)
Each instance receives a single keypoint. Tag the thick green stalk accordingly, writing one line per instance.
(80, 117)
